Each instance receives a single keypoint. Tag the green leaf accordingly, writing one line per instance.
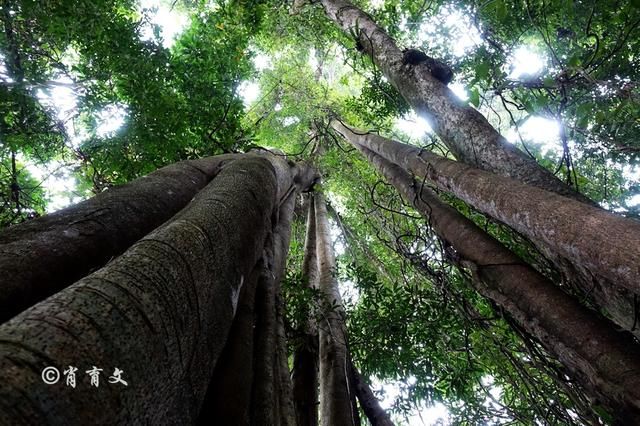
(583, 113)
(575, 60)
(501, 10)
(482, 70)
(474, 97)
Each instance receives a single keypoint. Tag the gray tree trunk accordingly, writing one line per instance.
(264, 399)
(305, 357)
(604, 361)
(463, 129)
(335, 387)
(282, 242)
(161, 312)
(597, 250)
(228, 398)
(370, 405)
(42, 256)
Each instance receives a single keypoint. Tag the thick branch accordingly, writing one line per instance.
(463, 129)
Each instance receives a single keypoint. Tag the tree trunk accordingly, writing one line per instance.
(593, 247)
(282, 242)
(463, 129)
(272, 395)
(265, 404)
(606, 362)
(42, 256)
(370, 405)
(228, 398)
(161, 312)
(305, 357)
(335, 386)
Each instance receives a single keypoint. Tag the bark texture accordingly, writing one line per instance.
(606, 362)
(228, 398)
(272, 401)
(42, 256)
(335, 387)
(597, 249)
(463, 129)
(161, 312)
(370, 405)
(305, 357)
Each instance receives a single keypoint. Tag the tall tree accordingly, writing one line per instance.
(594, 247)
(574, 334)
(161, 312)
(42, 256)
(336, 386)
(305, 357)
(463, 129)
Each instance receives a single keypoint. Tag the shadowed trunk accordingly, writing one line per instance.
(305, 357)
(606, 363)
(161, 312)
(463, 129)
(264, 399)
(597, 250)
(370, 405)
(228, 398)
(281, 248)
(335, 387)
(272, 395)
(42, 256)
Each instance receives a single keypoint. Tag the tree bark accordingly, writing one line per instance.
(594, 247)
(370, 405)
(605, 362)
(265, 403)
(335, 386)
(161, 312)
(305, 357)
(42, 256)
(463, 129)
(282, 242)
(272, 395)
(228, 397)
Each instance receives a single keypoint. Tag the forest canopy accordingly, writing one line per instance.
(97, 93)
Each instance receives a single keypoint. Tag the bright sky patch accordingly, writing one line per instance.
(171, 22)
(413, 126)
(249, 92)
(524, 62)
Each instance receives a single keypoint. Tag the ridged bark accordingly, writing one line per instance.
(161, 312)
(42, 256)
(335, 386)
(463, 129)
(598, 250)
(606, 362)
(305, 357)
(370, 405)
